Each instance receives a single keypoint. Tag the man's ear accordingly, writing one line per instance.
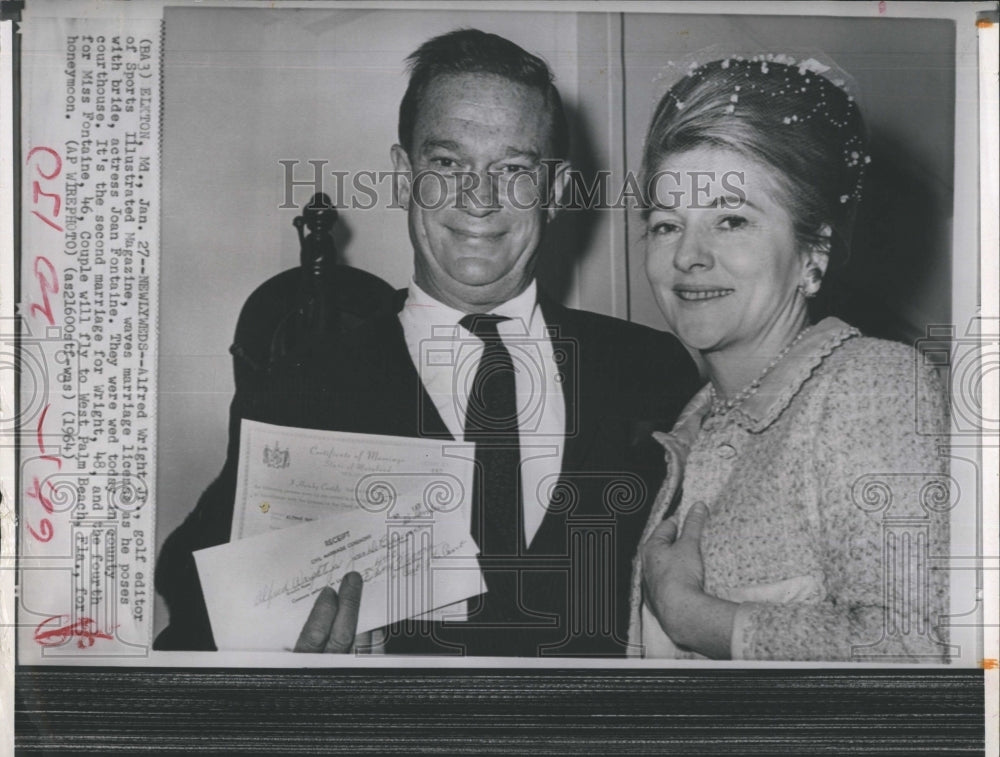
(404, 174)
(559, 180)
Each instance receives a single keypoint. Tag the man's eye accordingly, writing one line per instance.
(732, 223)
(514, 168)
(663, 228)
(444, 162)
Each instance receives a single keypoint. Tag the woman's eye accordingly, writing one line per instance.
(731, 223)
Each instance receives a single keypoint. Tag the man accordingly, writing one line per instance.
(558, 402)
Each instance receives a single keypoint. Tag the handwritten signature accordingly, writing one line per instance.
(84, 631)
(400, 559)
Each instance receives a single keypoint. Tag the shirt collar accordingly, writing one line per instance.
(520, 309)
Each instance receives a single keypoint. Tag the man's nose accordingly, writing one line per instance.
(480, 194)
(693, 251)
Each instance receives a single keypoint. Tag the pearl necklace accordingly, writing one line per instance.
(721, 406)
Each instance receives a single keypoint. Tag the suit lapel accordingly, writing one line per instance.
(578, 383)
(384, 370)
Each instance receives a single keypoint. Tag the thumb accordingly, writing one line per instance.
(695, 522)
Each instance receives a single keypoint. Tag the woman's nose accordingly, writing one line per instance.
(693, 251)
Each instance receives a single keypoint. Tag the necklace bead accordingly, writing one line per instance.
(722, 406)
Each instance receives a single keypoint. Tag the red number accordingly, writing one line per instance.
(48, 286)
(37, 190)
(48, 283)
(45, 532)
(54, 154)
(36, 493)
(46, 528)
(49, 221)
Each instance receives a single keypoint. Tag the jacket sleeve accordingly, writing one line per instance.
(176, 575)
(884, 498)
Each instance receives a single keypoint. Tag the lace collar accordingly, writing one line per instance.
(777, 390)
(780, 386)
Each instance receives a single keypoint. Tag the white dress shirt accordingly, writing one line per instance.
(446, 357)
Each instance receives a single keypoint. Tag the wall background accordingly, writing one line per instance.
(246, 88)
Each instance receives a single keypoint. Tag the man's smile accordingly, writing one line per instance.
(473, 235)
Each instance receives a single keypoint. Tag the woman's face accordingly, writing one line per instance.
(722, 255)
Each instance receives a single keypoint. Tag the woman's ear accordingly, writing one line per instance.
(815, 259)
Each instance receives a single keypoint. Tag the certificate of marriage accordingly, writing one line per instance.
(312, 506)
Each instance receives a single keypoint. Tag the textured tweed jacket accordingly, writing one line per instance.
(828, 496)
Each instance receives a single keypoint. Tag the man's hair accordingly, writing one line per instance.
(471, 51)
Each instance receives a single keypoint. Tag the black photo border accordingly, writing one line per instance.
(844, 711)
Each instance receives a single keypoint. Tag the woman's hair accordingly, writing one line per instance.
(785, 116)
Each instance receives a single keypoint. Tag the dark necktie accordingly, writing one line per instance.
(491, 422)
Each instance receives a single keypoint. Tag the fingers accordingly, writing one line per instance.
(695, 522)
(378, 641)
(333, 620)
(664, 534)
(316, 631)
(345, 621)
(370, 642)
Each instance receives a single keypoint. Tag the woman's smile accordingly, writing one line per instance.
(701, 294)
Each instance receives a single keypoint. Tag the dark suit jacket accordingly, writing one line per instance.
(621, 381)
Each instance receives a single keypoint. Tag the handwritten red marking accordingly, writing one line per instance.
(990, 663)
(84, 630)
(40, 428)
(36, 493)
(881, 7)
(41, 440)
(49, 151)
(48, 286)
(49, 221)
(36, 191)
(47, 164)
(45, 525)
(46, 531)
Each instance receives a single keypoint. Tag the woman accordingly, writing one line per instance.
(811, 506)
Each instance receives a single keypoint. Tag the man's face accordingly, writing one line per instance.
(478, 192)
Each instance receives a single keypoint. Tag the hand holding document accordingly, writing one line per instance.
(395, 510)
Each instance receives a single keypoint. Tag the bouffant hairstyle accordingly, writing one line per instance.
(781, 114)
